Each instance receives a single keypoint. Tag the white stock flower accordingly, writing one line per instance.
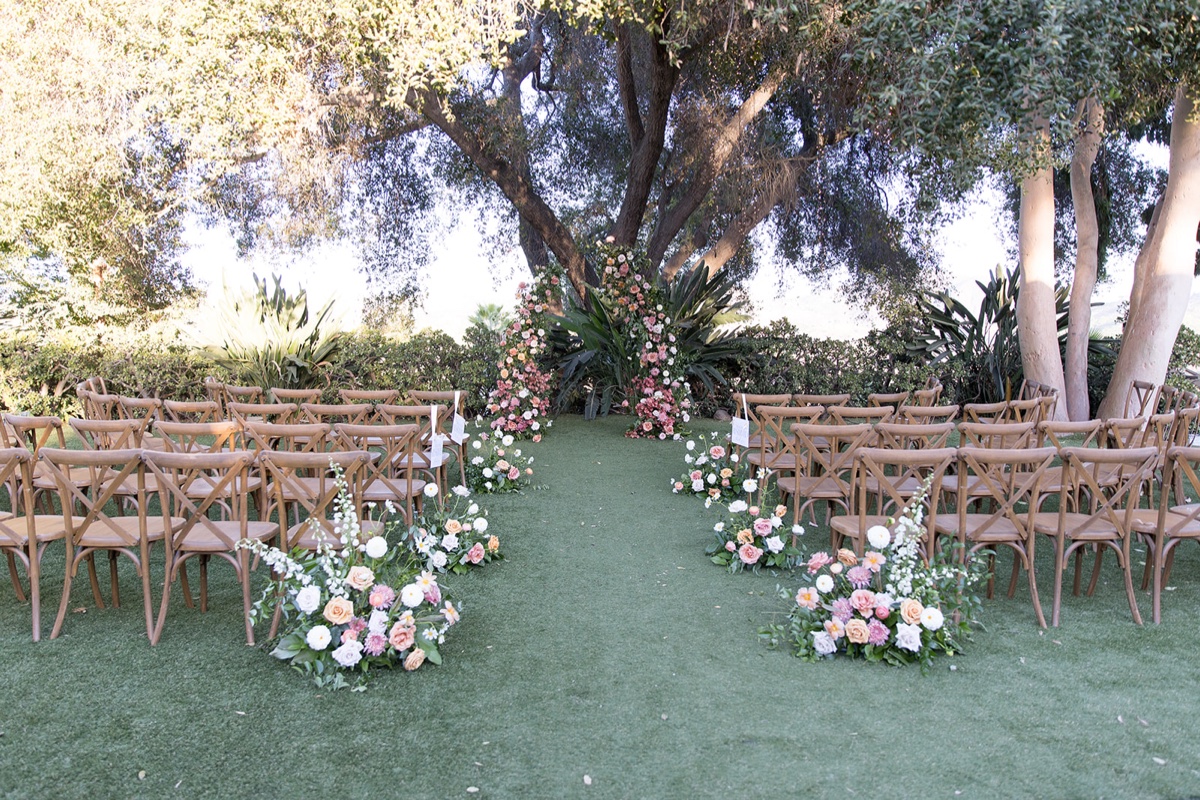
(318, 637)
(431, 490)
(377, 547)
(481, 525)
(878, 536)
(824, 584)
(308, 599)
(412, 595)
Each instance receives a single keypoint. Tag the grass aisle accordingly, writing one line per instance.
(606, 645)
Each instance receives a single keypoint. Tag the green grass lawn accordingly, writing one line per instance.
(606, 645)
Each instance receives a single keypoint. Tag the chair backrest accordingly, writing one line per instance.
(98, 406)
(147, 408)
(333, 414)
(1168, 399)
(373, 396)
(776, 443)
(821, 399)
(1049, 402)
(828, 450)
(35, 433)
(1140, 399)
(197, 437)
(1185, 425)
(893, 399)
(312, 437)
(295, 396)
(241, 394)
(110, 434)
(1152, 431)
(278, 413)
(1029, 389)
(214, 390)
(913, 436)
(1051, 433)
(745, 403)
(1112, 481)
(1183, 463)
(929, 394)
(16, 472)
(882, 481)
(852, 415)
(926, 415)
(192, 411)
(85, 506)
(985, 412)
(190, 485)
(393, 471)
(421, 416)
(454, 400)
(997, 435)
(1009, 478)
(287, 475)
(1026, 410)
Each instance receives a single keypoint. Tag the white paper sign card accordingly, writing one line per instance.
(458, 431)
(436, 457)
(741, 432)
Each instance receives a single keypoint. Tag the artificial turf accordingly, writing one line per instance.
(605, 657)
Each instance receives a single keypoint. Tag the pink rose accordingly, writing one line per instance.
(731, 547)
(349, 635)
(514, 473)
(882, 612)
(863, 601)
(475, 554)
(695, 474)
(716, 451)
(749, 554)
(818, 560)
(402, 637)
(762, 527)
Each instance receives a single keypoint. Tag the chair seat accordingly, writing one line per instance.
(201, 540)
(377, 491)
(44, 479)
(202, 486)
(785, 462)
(100, 535)
(1098, 530)
(855, 527)
(46, 528)
(822, 488)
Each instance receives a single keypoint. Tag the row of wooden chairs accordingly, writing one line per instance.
(104, 505)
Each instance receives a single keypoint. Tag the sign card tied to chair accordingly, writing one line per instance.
(436, 456)
(741, 432)
(458, 428)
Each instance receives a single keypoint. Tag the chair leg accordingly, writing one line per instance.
(112, 573)
(16, 579)
(183, 585)
(244, 573)
(1060, 566)
(95, 580)
(203, 584)
(162, 604)
(1127, 568)
(1096, 571)
(69, 574)
(147, 600)
(1012, 582)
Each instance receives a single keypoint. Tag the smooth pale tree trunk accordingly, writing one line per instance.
(1087, 256)
(1037, 324)
(1169, 258)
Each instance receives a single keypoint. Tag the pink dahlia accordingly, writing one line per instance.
(859, 576)
(842, 610)
(877, 633)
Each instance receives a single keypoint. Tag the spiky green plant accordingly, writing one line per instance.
(269, 340)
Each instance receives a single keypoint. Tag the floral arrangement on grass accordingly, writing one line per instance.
(353, 605)
(520, 399)
(714, 470)
(657, 392)
(888, 606)
(495, 465)
(451, 533)
(754, 536)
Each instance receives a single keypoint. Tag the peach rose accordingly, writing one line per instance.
(360, 578)
(847, 557)
(402, 636)
(339, 610)
(453, 527)
(744, 536)
(856, 631)
(493, 544)
(910, 611)
(415, 659)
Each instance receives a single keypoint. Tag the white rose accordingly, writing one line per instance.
(439, 559)
(535, 426)
(712, 478)
(507, 440)
(412, 595)
(349, 654)
(908, 637)
(776, 521)
(477, 444)
(431, 490)
(308, 600)
(823, 643)
(824, 584)
(774, 544)
(737, 506)
(318, 637)
(487, 472)
(691, 445)
(377, 622)
(377, 547)
(797, 530)
(878, 536)
(749, 485)
(472, 509)
(932, 618)
(481, 525)
(697, 485)
(449, 541)
(733, 457)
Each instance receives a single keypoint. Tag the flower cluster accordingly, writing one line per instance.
(889, 605)
(494, 465)
(354, 604)
(657, 391)
(754, 536)
(451, 533)
(521, 397)
(714, 470)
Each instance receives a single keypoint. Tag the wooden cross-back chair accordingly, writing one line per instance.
(1168, 399)
(430, 420)
(745, 406)
(34, 433)
(305, 437)
(146, 409)
(241, 394)
(985, 412)
(913, 436)
(881, 491)
(893, 399)
(336, 413)
(1097, 512)
(198, 437)
(109, 434)
(854, 415)
(775, 451)
(277, 413)
(1175, 521)
(294, 396)
(825, 459)
(924, 415)
(98, 406)
(1140, 399)
(837, 399)
(1014, 483)
(391, 476)
(375, 397)
(1027, 410)
(929, 394)
(193, 486)
(192, 411)
(24, 536)
(90, 528)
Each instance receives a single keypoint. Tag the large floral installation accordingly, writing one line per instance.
(887, 606)
(520, 400)
(657, 392)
